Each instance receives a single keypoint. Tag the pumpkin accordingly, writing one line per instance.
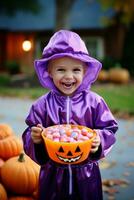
(3, 194)
(119, 75)
(20, 175)
(103, 76)
(10, 146)
(1, 164)
(68, 152)
(20, 198)
(5, 131)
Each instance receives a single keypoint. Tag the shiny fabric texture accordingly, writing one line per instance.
(85, 108)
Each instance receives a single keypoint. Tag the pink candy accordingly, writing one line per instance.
(67, 133)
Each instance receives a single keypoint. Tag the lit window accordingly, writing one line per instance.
(26, 45)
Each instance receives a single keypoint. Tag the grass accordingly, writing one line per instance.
(32, 93)
(120, 98)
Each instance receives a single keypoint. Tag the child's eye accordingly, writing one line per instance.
(77, 70)
(60, 70)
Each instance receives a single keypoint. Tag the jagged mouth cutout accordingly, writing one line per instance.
(69, 156)
(69, 160)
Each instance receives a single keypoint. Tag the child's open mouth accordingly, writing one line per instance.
(68, 85)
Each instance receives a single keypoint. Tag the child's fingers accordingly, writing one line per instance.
(37, 128)
(36, 137)
(96, 139)
(94, 149)
(38, 140)
(40, 126)
(96, 143)
(36, 133)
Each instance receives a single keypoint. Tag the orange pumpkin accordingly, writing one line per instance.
(10, 146)
(5, 131)
(68, 152)
(3, 193)
(1, 164)
(103, 76)
(20, 175)
(119, 75)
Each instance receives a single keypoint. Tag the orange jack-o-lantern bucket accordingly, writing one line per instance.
(68, 152)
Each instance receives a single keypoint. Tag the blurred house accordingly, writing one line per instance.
(25, 30)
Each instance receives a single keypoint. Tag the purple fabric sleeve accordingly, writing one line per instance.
(106, 126)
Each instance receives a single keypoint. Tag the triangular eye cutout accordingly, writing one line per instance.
(61, 149)
(77, 149)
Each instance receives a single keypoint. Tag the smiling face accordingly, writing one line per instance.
(67, 74)
(71, 156)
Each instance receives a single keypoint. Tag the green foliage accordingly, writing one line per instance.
(11, 7)
(124, 10)
(109, 62)
(106, 4)
(12, 67)
(4, 79)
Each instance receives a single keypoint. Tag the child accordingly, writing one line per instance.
(68, 71)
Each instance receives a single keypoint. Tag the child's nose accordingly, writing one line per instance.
(69, 75)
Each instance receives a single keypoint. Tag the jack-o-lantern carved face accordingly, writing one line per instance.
(68, 156)
(68, 153)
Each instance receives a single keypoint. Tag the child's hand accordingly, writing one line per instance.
(95, 144)
(36, 133)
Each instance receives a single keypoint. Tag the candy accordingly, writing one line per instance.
(89, 135)
(56, 134)
(56, 140)
(84, 132)
(84, 138)
(50, 136)
(62, 131)
(67, 133)
(63, 139)
(74, 135)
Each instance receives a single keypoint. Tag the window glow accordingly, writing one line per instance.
(26, 45)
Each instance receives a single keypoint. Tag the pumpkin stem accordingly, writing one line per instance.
(21, 157)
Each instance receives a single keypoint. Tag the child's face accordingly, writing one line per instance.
(67, 74)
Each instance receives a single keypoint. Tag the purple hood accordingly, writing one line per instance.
(66, 43)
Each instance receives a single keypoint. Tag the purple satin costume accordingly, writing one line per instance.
(78, 181)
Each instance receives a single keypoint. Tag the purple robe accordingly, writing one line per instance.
(78, 181)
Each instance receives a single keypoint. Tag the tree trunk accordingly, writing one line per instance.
(115, 36)
(119, 41)
(63, 10)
